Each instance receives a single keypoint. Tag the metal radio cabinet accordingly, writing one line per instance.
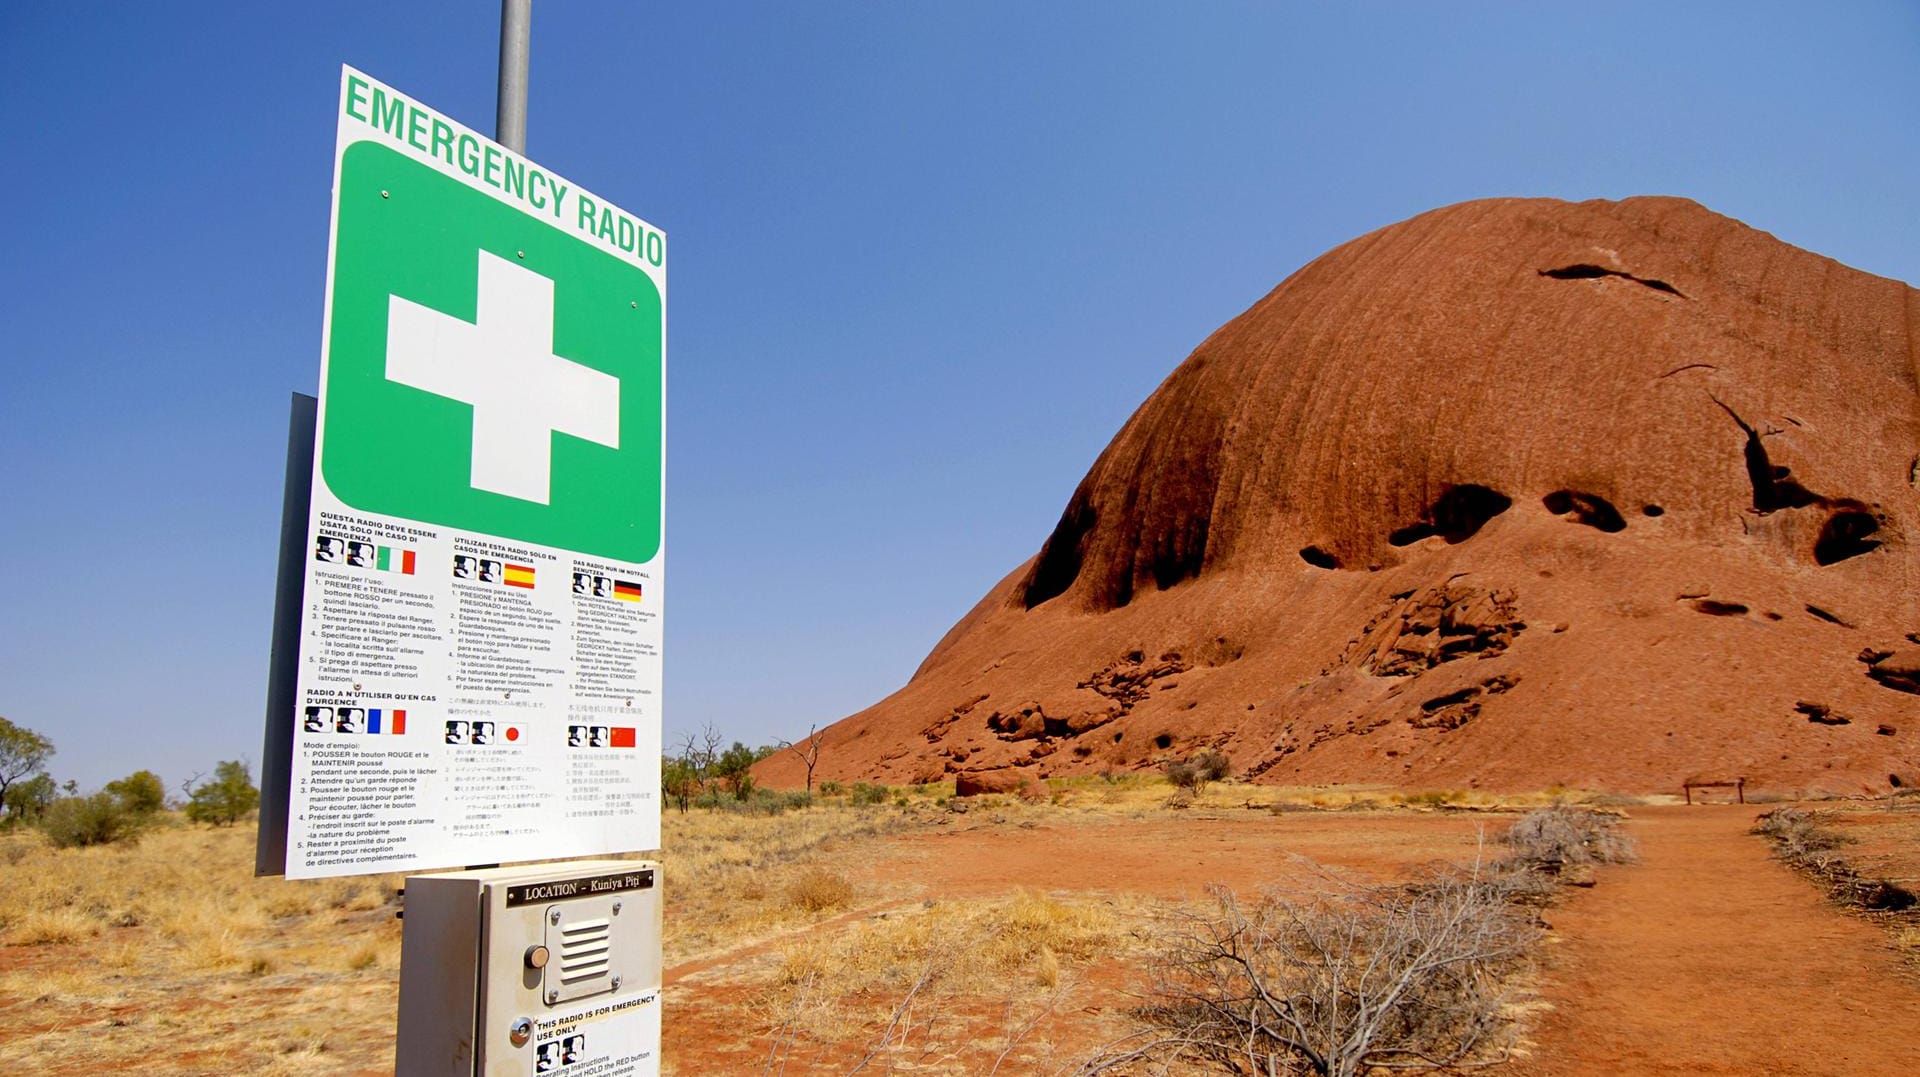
(551, 969)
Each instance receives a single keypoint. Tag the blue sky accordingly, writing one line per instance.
(925, 260)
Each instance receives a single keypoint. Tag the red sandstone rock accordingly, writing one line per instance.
(1008, 780)
(1420, 516)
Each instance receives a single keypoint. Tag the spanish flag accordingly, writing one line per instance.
(626, 590)
(394, 559)
(518, 576)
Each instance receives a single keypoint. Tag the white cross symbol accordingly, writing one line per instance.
(503, 365)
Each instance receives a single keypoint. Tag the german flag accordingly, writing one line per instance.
(518, 576)
(626, 590)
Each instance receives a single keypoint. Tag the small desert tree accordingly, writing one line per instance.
(23, 753)
(226, 797)
(27, 800)
(140, 792)
(735, 768)
(679, 782)
(808, 752)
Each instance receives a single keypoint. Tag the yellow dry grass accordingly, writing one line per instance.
(943, 986)
(191, 893)
(1141, 794)
(734, 878)
(168, 957)
(1000, 943)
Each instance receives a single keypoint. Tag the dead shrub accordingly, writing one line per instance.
(1802, 839)
(1798, 834)
(1336, 983)
(1195, 771)
(1552, 839)
(818, 890)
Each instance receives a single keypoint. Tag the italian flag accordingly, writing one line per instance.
(395, 559)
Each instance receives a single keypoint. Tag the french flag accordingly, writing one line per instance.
(379, 721)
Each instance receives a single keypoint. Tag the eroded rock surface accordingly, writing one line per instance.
(1487, 446)
(1421, 629)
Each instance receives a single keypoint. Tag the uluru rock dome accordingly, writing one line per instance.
(1516, 492)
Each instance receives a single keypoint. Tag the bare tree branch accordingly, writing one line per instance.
(808, 752)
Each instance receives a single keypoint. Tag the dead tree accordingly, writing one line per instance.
(808, 752)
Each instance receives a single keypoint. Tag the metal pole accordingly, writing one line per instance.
(516, 31)
(283, 666)
(510, 113)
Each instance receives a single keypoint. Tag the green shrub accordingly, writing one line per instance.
(831, 789)
(758, 801)
(225, 798)
(774, 802)
(864, 793)
(100, 819)
(140, 792)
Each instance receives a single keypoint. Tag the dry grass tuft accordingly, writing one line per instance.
(36, 928)
(818, 890)
(895, 976)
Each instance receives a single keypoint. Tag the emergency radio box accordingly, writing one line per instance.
(548, 969)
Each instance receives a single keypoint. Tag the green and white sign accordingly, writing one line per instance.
(480, 668)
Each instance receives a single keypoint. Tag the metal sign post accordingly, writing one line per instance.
(516, 38)
(467, 661)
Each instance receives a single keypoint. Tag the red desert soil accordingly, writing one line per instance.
(713, 1026)
(1515, 492)
(1709, 958)
(1885, 844)
(1705, 958)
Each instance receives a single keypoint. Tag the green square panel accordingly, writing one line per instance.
(476, 420)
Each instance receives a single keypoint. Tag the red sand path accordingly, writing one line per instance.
(1709, 958)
